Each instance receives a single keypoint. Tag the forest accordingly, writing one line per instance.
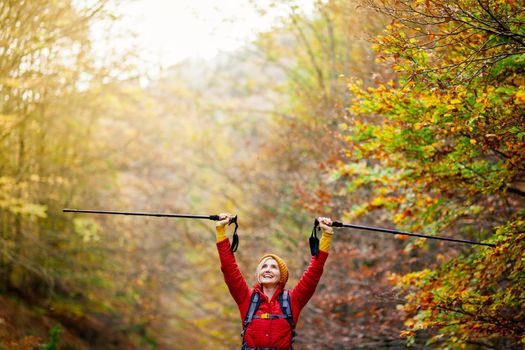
(401, 114)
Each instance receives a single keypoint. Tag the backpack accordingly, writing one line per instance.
(286, 308)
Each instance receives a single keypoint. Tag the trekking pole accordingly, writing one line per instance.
(233, 220)
(314, 240)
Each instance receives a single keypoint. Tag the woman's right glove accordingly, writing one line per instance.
(220, 226)
(328, 232)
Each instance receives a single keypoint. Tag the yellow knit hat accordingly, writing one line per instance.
(282, 267)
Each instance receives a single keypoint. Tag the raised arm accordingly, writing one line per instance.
(232, 275)
(304, 290)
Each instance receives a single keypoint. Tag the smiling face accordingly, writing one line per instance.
(268, 272)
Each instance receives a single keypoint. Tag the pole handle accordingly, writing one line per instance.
(235, 238)
(337, 224)
(314, 240)
(217, 218)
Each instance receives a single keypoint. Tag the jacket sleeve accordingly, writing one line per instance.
(304, 290)
(232, 275)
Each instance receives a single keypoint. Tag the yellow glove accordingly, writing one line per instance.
(220, 233)
(326, 241)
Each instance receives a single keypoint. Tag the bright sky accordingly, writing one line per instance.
(169, 31)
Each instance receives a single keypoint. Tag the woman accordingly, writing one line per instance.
(269, 312)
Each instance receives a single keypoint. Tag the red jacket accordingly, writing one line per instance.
(268, 333)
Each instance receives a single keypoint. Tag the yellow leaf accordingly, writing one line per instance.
(520, 97)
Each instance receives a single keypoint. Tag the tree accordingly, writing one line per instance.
(53, 95)
(445, 157)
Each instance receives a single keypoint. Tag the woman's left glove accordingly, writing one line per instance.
(328, 232)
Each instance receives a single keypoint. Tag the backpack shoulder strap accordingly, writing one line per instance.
(255, 301)
(286, 307)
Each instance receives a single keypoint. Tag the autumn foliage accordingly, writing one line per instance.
(447, 156)
(405, 114)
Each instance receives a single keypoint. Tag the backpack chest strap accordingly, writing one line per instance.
(269, 316)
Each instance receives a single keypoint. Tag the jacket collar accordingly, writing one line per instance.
(278, 291)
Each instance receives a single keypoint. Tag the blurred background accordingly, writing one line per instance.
(400, 114)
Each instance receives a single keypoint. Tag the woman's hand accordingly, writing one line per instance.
(328, 231)
(325, 224)
(224, 219)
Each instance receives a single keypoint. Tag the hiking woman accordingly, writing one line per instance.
(269, 312)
